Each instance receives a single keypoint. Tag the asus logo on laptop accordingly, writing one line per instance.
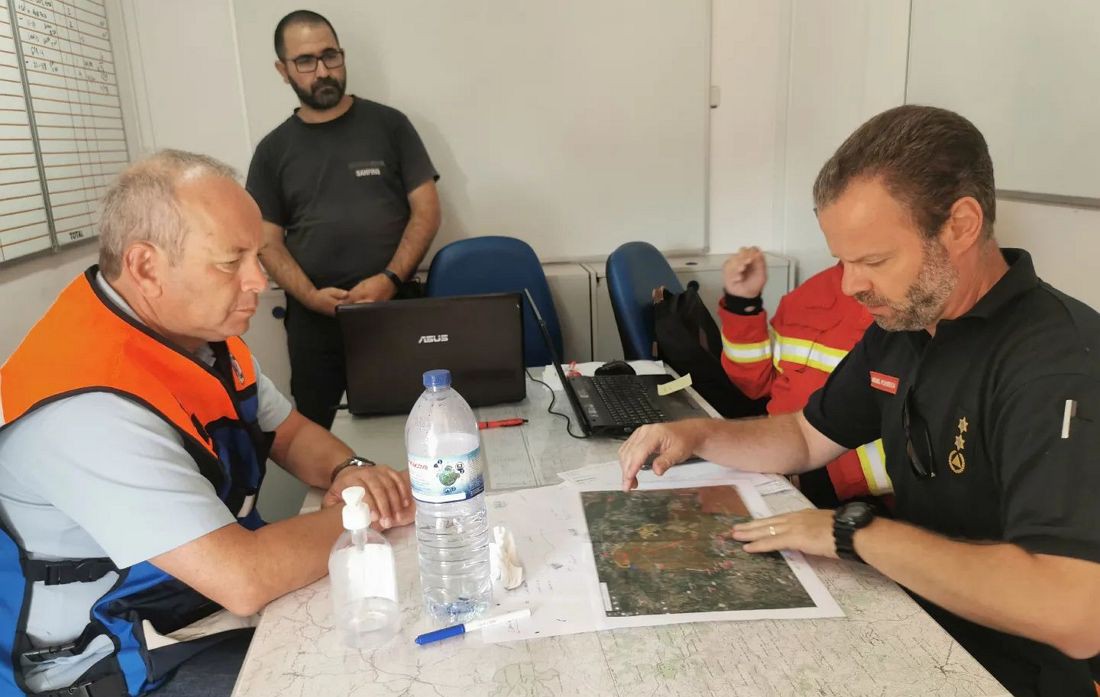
(432, 339)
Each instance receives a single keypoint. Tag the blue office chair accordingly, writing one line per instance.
(499, 265)
(633, 271)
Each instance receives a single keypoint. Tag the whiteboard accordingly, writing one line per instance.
(575, 125)
(1027, 74)
(61, 132)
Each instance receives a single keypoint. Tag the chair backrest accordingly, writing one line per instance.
(633, 271)
(494, 264)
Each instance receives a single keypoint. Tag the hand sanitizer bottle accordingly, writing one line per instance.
(364, 583)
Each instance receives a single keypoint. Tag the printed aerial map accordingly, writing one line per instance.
(671, 551)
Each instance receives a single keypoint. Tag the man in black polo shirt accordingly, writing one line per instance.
(984, 384)
(348, 197)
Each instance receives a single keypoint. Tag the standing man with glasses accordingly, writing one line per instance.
(984, 384)
(348, 196)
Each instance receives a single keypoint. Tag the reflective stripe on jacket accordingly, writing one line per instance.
(814, 327)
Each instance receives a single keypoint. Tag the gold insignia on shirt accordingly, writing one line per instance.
(956, 460)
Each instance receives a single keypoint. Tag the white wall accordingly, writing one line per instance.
(847, 64)
(1033, 96)
(750, 59)
(1064, 242)
(809, 72)
(28, 288)
(187, 90)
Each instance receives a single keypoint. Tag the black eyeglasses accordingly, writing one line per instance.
(332, 58)
(918, 441)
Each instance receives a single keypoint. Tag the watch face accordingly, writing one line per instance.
(855, 513)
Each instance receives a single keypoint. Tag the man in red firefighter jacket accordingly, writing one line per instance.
(813, 328)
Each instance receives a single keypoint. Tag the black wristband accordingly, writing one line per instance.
(394, 278)
(743, 306)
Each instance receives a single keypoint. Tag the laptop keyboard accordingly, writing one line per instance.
(626, 400)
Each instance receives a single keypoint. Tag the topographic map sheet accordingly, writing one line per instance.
(600, 559)
(670, 551)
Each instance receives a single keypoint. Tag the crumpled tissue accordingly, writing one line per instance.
(504, 565)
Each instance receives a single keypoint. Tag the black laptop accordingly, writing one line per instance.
(389, 345)
(615, 405)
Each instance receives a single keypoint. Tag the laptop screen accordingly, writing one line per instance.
(568, 388)
(389, 345)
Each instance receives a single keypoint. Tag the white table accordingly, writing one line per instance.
(885, 646)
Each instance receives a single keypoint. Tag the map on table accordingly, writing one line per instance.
(671, 551)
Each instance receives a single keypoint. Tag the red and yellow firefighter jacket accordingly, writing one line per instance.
(814, 327)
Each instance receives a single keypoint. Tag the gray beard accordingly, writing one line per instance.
(925, 299)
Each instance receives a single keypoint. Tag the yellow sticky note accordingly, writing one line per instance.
(674, 385)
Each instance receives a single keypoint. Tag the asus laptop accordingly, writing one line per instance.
(615, 405)
(389, 345)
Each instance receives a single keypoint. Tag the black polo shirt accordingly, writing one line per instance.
(992, 387)
(340, 189)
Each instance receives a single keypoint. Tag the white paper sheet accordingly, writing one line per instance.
(551, 537)
(563, 590)
(609, 476)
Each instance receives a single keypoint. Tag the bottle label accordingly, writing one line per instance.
(444, 479)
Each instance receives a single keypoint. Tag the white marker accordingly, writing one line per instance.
(456, 629)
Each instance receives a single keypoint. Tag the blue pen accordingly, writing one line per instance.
(455, 630)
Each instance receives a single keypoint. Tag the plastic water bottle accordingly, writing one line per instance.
(452, 529)
(364, 582)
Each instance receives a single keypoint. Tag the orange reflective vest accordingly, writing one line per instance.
(814, 327)
(85, 344)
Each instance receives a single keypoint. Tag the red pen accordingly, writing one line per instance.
(501, 423)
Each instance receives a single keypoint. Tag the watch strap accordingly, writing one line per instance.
(394, 278)
(845, 525)
(353, 461)
(843, 536)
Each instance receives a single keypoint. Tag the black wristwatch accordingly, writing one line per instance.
(353, 461)
(394, 278)
(846, 520)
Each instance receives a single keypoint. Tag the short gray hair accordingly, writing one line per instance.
(141, 205)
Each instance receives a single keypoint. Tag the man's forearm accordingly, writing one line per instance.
(243, 570)
(419, 233)
(285, 270)
(996, 585)
(775, 445)
(308, 451)
(293, 553)
(414, 245)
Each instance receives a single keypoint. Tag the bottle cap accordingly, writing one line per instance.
(437, 378)
(356, 513)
